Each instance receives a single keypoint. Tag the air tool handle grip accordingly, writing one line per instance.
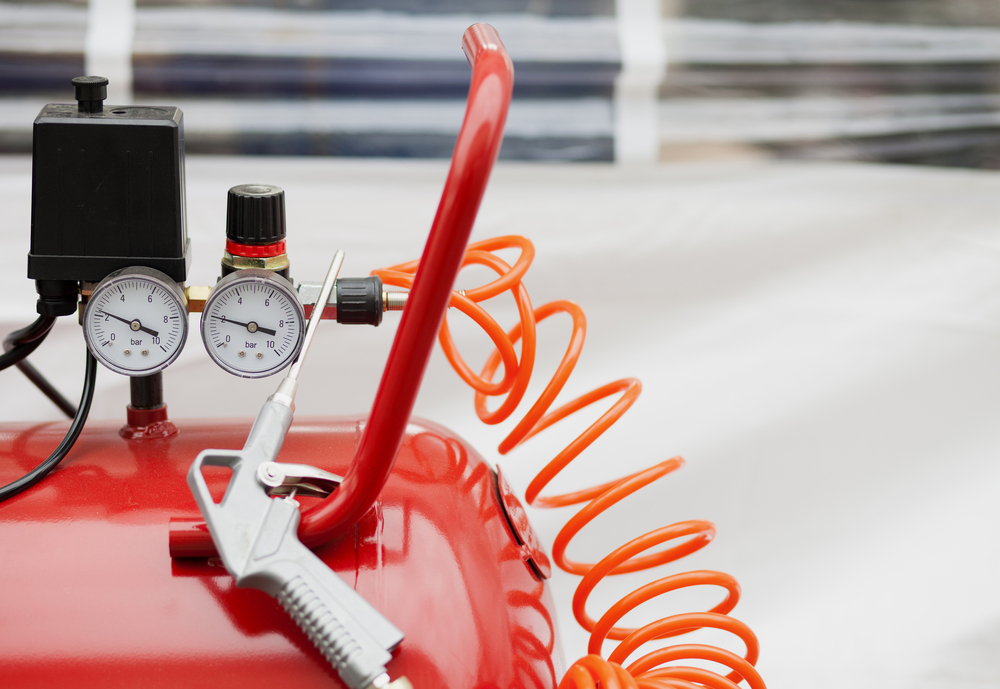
(353, 636)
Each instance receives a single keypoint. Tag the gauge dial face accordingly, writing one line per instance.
(252, 325)
(135, 322)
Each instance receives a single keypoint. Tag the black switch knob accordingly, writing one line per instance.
(91, 93)
(256, 214)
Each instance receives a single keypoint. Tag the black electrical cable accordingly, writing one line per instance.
(19, 344)
(39, 472)
(49, 390)
(23, 342)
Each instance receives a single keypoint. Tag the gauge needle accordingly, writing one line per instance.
(143, 328)
(257, 328)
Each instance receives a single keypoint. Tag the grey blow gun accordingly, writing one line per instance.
(256, 537)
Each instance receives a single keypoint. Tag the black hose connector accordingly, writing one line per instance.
(56, 297)
(359, 300)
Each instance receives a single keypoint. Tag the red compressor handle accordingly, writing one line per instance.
(475, 153)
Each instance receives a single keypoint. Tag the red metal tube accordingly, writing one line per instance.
(475, 152)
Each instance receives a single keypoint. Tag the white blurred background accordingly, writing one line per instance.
(818, 339)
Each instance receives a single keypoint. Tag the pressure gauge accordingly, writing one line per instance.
(136, 321)
(253, 323)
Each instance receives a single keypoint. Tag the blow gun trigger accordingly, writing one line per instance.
(297, 479)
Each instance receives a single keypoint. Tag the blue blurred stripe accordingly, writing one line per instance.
(861, 90)
(240, 67)
(213, 75)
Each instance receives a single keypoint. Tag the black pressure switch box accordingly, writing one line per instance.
(107, 190)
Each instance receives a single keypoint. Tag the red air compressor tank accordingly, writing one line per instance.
(89, 596)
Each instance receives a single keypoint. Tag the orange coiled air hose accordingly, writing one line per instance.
(650, 670)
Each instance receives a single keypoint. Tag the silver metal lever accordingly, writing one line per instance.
(299, 479)
(256, 536)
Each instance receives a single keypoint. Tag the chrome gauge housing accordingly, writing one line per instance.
(136, 321)
(253, 323)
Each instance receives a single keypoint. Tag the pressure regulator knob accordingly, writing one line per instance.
(255, 229)
(256, 214)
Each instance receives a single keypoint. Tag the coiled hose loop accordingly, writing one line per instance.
(653, 670)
